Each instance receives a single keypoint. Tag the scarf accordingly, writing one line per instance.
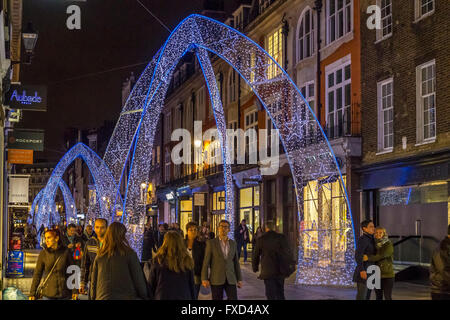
(381, 242)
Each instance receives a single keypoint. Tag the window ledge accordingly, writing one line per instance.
(425, 142)
(423, 17)
(384, 152)
(384, 38)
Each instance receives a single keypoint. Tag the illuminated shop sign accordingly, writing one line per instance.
(33, 98)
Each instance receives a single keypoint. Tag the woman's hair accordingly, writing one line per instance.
(382, 229)
(115, 241)
(173, 253)
(56, 233)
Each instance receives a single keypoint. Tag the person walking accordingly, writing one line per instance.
(206, 233)
(221, 256)
(272, 250)
(70, 238)
(88, 233)
(149, 244)
(159, 237)
(242, 238)
(196, 250)
(364, 246)
(52, 262)
(384, 258)
(90, 249)
(440, 270)
(116, 272)
(172, 271)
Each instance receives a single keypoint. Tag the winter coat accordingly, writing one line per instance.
(240, 236)
(148, 245)
(384, 258)
(165, 284)
(77, 239)
(198, 254)
(118, 278)
(56, 286)
(90, 252)
(440, 268)
(365, 246)
(271, 249)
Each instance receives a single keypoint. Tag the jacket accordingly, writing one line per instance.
(65, 240)
(148, 245)
(85, 237)
(364, 246)
(117, 278)
(440, 268)
(198, 254)
(271, 249)
(240, 236)
(90, 252)
(384, 258)
(222, 268)
(165, 284)
(56, 286)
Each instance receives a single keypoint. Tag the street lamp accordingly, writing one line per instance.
(29, 38)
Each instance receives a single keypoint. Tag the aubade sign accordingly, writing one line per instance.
(33, 98)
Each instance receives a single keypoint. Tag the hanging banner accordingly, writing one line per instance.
(18, 189)
(32, 98)
(20, 156)
(26, 139)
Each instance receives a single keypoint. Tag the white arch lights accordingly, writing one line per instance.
(327, 261)
(103, 180)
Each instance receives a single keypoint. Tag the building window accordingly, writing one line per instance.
(308, 92)
(426, 102)
(424, 8)
(339, 19)
(276, 113)
(251, 122)
(338, 100)
(274, 46)
(305, 43)
(386, 19)
(385, 115)
(168, 127)
(231, 86)
(167, 167)
(200, 104)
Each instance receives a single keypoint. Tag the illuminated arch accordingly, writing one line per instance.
(103, 181)
(308, 161)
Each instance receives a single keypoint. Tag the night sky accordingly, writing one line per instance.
(114, 33)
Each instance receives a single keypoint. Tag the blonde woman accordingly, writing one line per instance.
(172, 272)
(116, 272)
(384, 259)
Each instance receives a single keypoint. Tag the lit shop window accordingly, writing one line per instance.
(274, 46)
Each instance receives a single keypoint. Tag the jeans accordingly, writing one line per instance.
(386, 289)
(363, 293)
(274, 289)
(230, 289)
(239, 247)
(196, 290)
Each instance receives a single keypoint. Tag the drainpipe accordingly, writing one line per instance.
(318, 7)
(285, 32)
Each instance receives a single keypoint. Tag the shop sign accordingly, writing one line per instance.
(20, 156)
(26, 139)
(18, 189)
(199, 199)
(32, 98)
(15, 264)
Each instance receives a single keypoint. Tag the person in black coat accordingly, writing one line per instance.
(172, 271)
(272, 250)
(440, 270)
(196, 250)
(364, 246)
(242, 238)
(149, 243)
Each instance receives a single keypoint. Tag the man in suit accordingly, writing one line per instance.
(364, 246)
(272, 249)
(221, 256)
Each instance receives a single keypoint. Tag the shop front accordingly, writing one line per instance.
(249, 208)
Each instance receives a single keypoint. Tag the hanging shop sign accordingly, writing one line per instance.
(18, 189)
(20, 156)
(15, 264)
(27, 97)
(26, 139)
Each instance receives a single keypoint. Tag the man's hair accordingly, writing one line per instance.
(243, 220)
(71, 225)
(166, 226)
(225, 221)
(191, 224)
(365, 223)
(102, 219)
(270, 225)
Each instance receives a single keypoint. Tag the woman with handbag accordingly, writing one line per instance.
(53, 261)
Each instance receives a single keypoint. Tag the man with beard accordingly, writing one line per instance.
(91, 248)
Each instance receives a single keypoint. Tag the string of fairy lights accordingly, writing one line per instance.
(326, 249)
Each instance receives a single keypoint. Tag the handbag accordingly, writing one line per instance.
(41, 287)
